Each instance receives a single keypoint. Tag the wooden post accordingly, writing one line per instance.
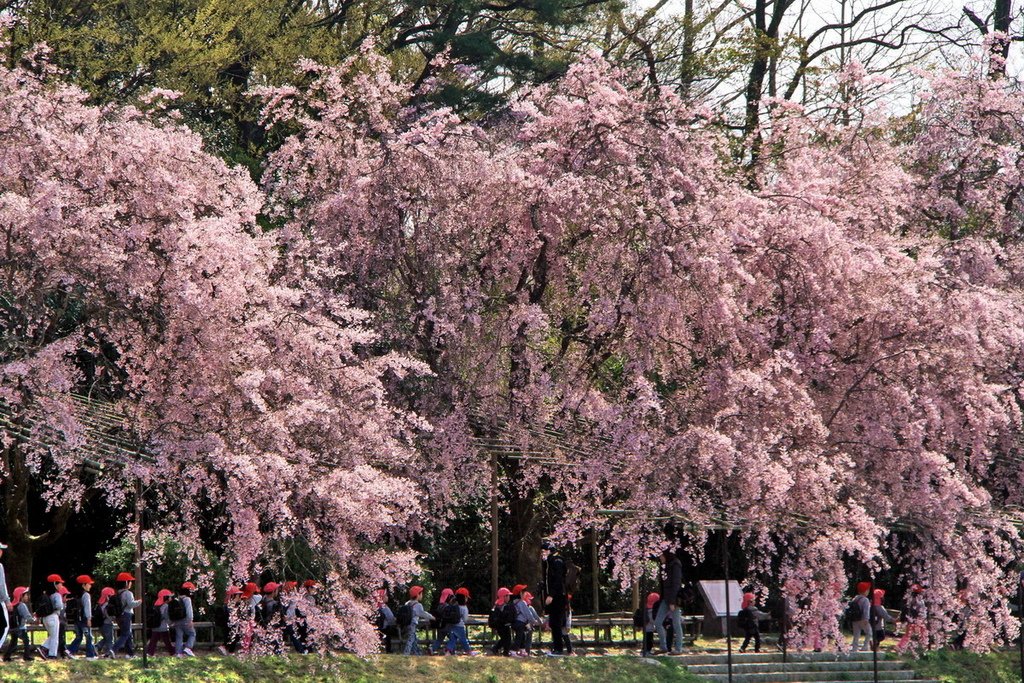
(595, 568)
(494, 524)
(139, 568)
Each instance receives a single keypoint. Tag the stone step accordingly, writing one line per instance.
(752, 657)
(774, 667)
(802, 676)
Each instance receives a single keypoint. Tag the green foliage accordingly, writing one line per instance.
(170, 571)
(951, 666)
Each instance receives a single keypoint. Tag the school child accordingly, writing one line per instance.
(520, 614)
(228, 617)
(499, 624)
(861, 614)
(251, 599)
(879, 617)
(648, 623)
(22, 617)
(82, 621)
(106, 620)
(567, 628)
(384, 620)
(268, 617)
(123, 604)
(180, 612)
(49, 609)
(748, 619)
(534, 623)
(161, 623)
(291, 614)
(409, 616)
(458, 638)
(441, 628)
(62, 623)
(915, 618)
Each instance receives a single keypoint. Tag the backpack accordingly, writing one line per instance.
(494, 619)
(114, 608)
(72, 610)
(175, 609)
(450, 615)
(639, 617)
(98, 613)
(509, 612)
(44, 607)
(744, 619)
(403, 615)
(155, 618)
(572, 577)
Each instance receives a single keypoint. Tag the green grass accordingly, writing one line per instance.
(951, 666)
(348, 668)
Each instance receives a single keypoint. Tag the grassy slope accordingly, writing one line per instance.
(966, 667)
(374, 670)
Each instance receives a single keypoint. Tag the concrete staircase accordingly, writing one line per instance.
(800, 667)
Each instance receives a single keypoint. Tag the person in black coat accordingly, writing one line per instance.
(671, 585)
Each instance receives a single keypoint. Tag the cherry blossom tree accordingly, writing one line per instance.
(811, 360)
(134, 272)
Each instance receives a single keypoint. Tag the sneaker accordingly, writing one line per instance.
(188, 652)
(91, 659)
(223, 650)
(555, 654)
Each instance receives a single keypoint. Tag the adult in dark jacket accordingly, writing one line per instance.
(671, 584)
(556, 600)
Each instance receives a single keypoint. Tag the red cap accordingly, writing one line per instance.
(250, 589)
(84, 579)
(234, 590)
(107, 592)
(162, 595)
(518, 588)
(125, 576)
(270, 587)
(652, 600)
(309, 583)
(748, 599)
(54, 578)
(18, 592)
(62, 590)
(917, 588)
(462, 591)
(188, 585)
(415, 591)
(291, 585)
(863, 587)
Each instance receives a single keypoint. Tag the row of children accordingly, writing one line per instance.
(869, 616)
(265, 621)
(59, 607)
(512, 618)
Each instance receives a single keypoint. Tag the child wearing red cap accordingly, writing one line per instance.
(500, 623)
(161, 629)
(19, 629)
(648, 623)
(441, 625)
(533, 620)
(184, 630)
(124, 604)
(879, 617)
(915, 618)
(51, 615)
(416, 614)
(228, 617)
(749, 619)
(458, 639)
(520, 614)
(384, 620)
(82, 620)
(860, 608)
(106, 619)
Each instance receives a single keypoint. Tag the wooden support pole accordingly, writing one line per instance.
(139, 567)
(595, 568)
(494, 524)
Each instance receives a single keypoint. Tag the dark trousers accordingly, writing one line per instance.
(557, 612)
(519, 639)
(62, 638)
(155, 637)
(648, 641)
(125, 638)
(12, 643)
(751, 632)
(504, 639)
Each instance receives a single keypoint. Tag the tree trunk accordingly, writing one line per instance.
(17, 563)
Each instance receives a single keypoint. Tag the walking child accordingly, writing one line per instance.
(499, 624)
(749, 619)
(107, 618)
(648, 623)
(161, 629)
(49, 610)
(411, 613)
(22, 617)
(860, 607)
(879, 617)
(82, 621)
(180, 612)
(123, 603)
